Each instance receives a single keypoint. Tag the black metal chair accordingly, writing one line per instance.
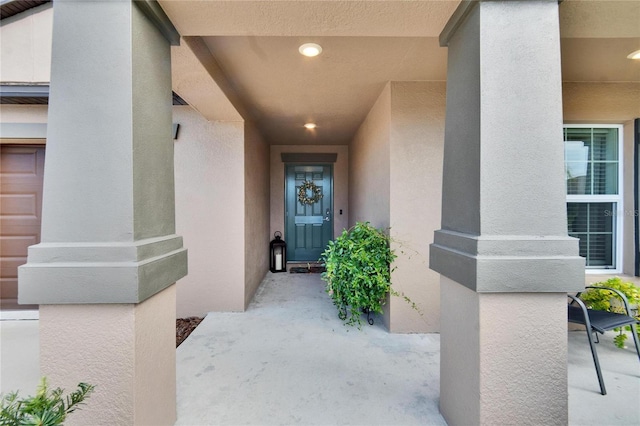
(601, 321)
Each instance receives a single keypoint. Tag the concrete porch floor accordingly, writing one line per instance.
(289, 360)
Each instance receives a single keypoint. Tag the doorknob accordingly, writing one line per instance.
(327, 217)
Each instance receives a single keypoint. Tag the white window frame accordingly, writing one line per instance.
(607, 198)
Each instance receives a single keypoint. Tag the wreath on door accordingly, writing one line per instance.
(303, 193)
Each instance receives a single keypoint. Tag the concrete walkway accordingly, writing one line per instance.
(19, 352)
(289, 360)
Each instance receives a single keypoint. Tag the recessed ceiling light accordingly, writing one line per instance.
(634, 55)
(310, 126)
(310, 49)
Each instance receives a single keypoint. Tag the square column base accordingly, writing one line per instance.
(126, 350)
(503, 357)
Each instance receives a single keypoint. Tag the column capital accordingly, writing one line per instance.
(79, 273)
(155, 13)
(508, 263)
(461, 12)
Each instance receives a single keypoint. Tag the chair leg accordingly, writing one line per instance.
(635, 339)
(589, 329)
(603, 390)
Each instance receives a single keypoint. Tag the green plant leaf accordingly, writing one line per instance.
(46, 408)
(606, 300)
(357, 271)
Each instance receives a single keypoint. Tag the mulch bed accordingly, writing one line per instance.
(184, 327)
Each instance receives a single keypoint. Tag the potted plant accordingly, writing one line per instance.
(357, 271)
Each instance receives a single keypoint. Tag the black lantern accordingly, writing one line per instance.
(278, 253)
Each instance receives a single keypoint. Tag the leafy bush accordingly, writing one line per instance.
(47, 408)
(606, 300)
(358, 271)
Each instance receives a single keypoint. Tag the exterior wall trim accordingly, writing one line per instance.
(135, 271)
(308, 157)
(24, 91)
(464, 8)
(38, 131)
(23, 130)
(487, 264)
(156, 15)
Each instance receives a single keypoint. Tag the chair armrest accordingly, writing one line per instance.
(620, 294)
(585, 311)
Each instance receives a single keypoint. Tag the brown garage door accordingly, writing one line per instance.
(21, 171)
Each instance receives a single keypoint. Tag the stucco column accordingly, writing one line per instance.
(105, 270)
(503, 252)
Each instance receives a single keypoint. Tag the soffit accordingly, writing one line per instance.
(600, 18)
(367, 43)
(336, 89)
(599, 60)
(9, 8)
(407, 18)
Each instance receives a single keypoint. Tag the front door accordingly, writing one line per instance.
(308, 213)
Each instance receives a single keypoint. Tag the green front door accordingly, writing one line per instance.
(309, 227)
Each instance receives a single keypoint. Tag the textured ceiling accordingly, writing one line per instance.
(335, 90)
(251, 50)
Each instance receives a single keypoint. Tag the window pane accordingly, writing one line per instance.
(577, 217)
(605, 178)
(605, 145)
(578, 134)
(600, 251)
(576, 155)
(591, 161)
(594, 225)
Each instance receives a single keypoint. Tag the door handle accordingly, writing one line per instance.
(327, 217)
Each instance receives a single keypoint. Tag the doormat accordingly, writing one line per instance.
(306, 270)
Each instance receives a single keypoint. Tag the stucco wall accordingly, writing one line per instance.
(219, 184)
(417, 139)
(155, 358)
(26, 39)
(492, 357)
(23, 113)
(210, 207)
(137, 341)
(370, 170)
(459, 354)
(340, 185)
(396, 180)
(610, 103)
(256, 210)
(601, 102)
(369, 166)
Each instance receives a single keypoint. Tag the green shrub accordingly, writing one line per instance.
(357, 271)
(47, 408)
(606, 300)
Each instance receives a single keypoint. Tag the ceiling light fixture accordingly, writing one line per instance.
(310, 126)
(310, 49)
(634, 55)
